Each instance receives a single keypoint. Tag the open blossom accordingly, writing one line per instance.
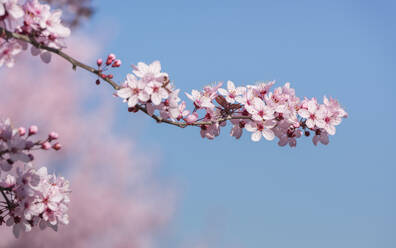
(134, 91)
(210, 91)
(12, 8)
(310, 111)
(156, 92)
(200, 100)
(260, 111)
(232, 92)
(213, 130)
(149, 73)
(331, 115)
(334, 106)
(261, 89)
(169, 105)
(8, 50)
(179, 112)
(247, 99)
(261, 129)
(8, 182)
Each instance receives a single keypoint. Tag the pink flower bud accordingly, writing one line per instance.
(53, 136)
(33, 130)
(22, 131)
(46, 145)
(117, 63)
(99, 62)
(57, 146)
(110, 76)
(110, 59)
(111, 56)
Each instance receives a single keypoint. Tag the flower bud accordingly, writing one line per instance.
(33, 130)
(97, 82)
(116, 63)
(46, 145)
(99, 62)
(57, 146)
(53, 136)
(22, 131)
(111, 57)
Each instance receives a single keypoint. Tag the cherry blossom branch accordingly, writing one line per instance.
(254, 108)
(75, 63)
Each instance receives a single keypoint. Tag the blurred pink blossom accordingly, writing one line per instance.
(115, 200)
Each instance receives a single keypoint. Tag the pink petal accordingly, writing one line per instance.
(46, 57)
(256, 136)
(268, 134)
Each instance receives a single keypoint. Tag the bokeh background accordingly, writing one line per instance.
(179, 190)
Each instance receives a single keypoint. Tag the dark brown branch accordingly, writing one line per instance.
(10, 205)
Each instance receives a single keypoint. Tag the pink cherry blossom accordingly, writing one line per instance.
(149, 73)
(200, 100)
(232, 92)
(260, 111)
(261, 89)
(170, 105)
(12, 8)
(179, 112)
(261, 129)
(309, 111)
(156, 92)
(8, 50)
(134, 91)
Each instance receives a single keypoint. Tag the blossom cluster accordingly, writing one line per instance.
(32, 197)
(35, 20)
(254, 108)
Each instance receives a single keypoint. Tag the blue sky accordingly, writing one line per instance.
(237, 193)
